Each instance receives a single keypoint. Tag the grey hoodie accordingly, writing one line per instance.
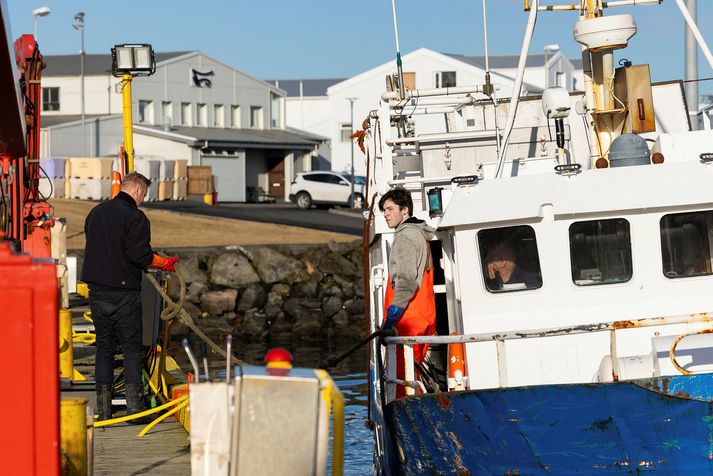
(408, 257)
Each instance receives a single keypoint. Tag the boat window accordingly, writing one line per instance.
(686, 240)
(510, 259)
(600, 252)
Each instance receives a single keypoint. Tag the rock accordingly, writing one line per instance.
(281, 289)
(253, 323)
(332, 263)
(344, 247)
(274, 303)
(233, 270)
(191, 271)
(355, 306)
(331, 305)
(309, 324)
(273, 266)
(216, 303)
(252, 296)
(340, 320)
(308, 288)
(280, 324)
(195, 290)
(230, 316)
(192, 310)
(346, 285)
(310, 303)
(293, 308)
(359, 288)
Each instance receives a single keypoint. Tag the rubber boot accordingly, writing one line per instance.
(135, 404)
(104, 392)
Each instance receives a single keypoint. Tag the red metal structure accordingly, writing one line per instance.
(28, 284)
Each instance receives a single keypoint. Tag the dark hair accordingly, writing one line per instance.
(135, 179)
(400, 196)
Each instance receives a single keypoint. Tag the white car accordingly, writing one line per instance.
(327, 188)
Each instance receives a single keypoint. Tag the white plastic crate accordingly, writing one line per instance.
(89, 189)
(152, 194)
(52, 187)
(89, 167)
(180, 189)
(166, 169)
(148, 168)
(165, 189)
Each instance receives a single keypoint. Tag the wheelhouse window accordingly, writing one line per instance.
(600, 252)
(686, 240)
(510, 259)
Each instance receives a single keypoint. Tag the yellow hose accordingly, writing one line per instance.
(113, 421)
(163, 417)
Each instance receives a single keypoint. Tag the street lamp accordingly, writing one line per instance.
(351, 129)
(40, 12)
(554, 48)
(79, 25)
(128, 61)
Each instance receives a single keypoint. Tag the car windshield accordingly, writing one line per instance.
(358, 179)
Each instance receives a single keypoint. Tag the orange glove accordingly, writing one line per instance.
(164, 264)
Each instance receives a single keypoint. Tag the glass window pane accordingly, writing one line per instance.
(448, 79)
(686, 244)
(510, 259)
(600, 252)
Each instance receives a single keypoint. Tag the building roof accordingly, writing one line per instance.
(50, 121)
(310, 87)
(217, 137)
(508, 61)
(94, 64)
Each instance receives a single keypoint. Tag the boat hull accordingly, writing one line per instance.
(659, 425)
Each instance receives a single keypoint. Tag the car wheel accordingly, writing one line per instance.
(303, 200)
(358, 201)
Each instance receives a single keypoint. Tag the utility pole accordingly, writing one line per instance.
(351, 128)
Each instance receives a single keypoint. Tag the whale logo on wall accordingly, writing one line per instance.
(202, 80)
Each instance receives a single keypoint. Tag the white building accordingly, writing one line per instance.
(194, 107)
(329, 114)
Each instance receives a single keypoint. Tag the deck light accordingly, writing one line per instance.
(435, 202)
(136, 60)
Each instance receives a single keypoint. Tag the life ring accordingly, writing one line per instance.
(457, 368)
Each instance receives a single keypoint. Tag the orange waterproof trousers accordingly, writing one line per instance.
(419, 319)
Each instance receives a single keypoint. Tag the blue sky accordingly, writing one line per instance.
(334, 38)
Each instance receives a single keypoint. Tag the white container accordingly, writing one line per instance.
(148, 168)
(180, 169)
(180, 189)
(52, 187)
(90, 167)
(152, 194)
(165, 189)
(89, 189)
(166, 169)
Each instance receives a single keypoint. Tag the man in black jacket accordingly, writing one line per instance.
(117, 251)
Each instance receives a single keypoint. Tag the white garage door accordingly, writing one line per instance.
(230, 176)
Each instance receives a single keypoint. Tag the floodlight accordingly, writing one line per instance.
(136, 60)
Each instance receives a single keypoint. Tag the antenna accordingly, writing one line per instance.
(487, 88)
(398, 52)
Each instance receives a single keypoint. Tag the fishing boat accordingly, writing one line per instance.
(598, 359)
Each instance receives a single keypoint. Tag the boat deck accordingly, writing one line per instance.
(118, 450)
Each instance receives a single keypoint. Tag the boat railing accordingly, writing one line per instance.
(499, 338)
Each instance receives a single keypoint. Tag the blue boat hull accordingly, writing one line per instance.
(657, 425)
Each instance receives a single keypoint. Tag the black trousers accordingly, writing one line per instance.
(117, 318)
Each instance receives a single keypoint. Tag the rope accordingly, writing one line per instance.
(175, 310)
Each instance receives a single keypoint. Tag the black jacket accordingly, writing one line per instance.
(118, 244)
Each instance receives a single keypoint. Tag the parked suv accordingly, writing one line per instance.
(327, 188)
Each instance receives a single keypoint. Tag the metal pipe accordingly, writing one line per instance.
(706, 317)
(422, 93)
(691, 55)
(192, 358)
(512, 112)
(229, 354)
(696, 33)
(398, 50)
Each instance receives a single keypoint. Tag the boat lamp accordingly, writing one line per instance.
(435, 202)
(136, 60)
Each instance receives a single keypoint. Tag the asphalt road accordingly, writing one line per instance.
(335, 220)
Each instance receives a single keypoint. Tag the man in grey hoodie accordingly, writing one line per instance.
(409, 302)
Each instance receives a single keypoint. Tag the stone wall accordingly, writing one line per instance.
(306, 292)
